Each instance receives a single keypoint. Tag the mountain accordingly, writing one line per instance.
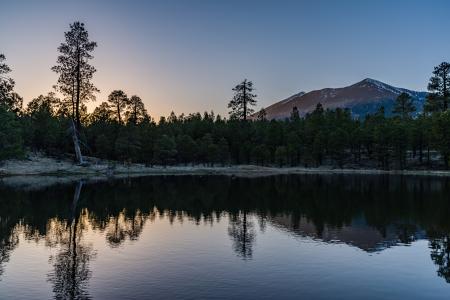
(357, 233)
(362, 98)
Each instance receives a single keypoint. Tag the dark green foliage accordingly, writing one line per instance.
(323, 137)
(121, 128)
(404, 106)
(103, 146)
(128, 144)
(281, 155)
(165, 150)
(43, 129)
(339, 141)
(261, 154)
(439, 87)
(441, 130)
(10, 135)
(8, 98)
(187, 149)
(223, 151)
(399, 142)
(11, 144)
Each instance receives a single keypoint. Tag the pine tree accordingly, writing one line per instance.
(10, 135)
(281, 155)
(262, 115)
(261, 154)
(128, 144)
(186, 148)
(101, 113)
(44, 127)
(119, 102)
(223, 152)
(441, 132)
(295, 115)
(75, 72)
(439, 87)
(136, 112)
(11, 101)
(404, 106)
(165, 149)
(242, 100)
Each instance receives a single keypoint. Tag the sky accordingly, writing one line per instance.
(186, 56)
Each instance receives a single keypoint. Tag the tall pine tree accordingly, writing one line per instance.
(75, 72)
(242, 100)
(12, 101)
(136, 112)
(119, 102)
(439, 87)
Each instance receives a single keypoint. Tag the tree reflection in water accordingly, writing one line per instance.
(8, 242)
(440, 254)
(120, 227)
(370, 213)
(243, 234)
(71, 264)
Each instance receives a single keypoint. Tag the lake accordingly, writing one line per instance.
(200, 237)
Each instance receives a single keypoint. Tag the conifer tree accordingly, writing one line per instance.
(262, 115)
(119, 102)
(12, 101)
(439, 87)
(242, 101)
(10, 134)
(404, 106)
(295, 115)
(136, 112)
(75, 72)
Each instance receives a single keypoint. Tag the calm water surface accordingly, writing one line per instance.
(321, 237)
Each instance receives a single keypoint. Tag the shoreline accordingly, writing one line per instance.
(45, 166)
(39, 171)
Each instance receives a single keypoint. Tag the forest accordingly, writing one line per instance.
(121, 129)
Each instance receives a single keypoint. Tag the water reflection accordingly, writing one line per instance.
(71, 272)
(440, 254)
(242, 233)
(371, 213)
(8, 242)
(120, 227)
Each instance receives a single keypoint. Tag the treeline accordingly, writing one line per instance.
(121, 128)
(321, 137)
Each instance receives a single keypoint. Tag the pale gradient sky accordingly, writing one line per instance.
(187, 55)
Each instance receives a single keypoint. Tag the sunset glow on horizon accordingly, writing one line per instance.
(185, 56)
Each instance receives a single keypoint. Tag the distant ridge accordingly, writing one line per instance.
(362, 98)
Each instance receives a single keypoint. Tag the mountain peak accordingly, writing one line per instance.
(362, 98)
(372, 81)
(378, 85)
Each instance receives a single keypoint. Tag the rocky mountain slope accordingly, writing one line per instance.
(362, 98)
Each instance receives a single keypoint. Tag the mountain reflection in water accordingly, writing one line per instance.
(371, 213)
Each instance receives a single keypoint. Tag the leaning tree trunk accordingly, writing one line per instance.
(76, 144)
(76, 197)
